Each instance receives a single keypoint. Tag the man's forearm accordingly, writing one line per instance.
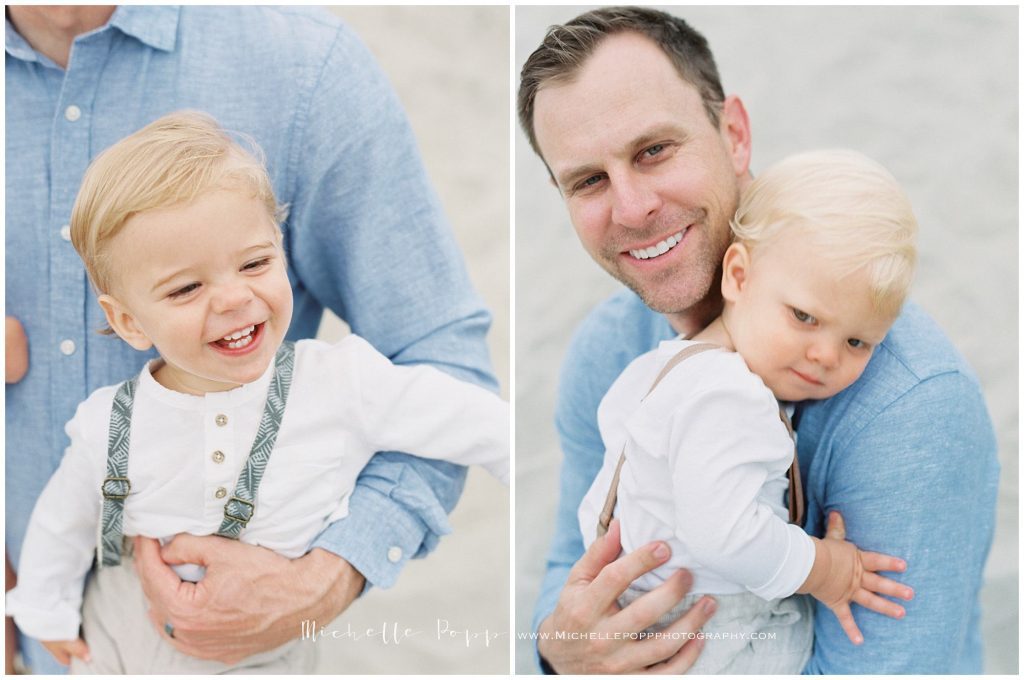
(398, 510)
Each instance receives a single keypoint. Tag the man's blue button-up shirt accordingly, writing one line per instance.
(366, 236)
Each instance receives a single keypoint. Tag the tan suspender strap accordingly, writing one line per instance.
(605, 518)
(796, 489)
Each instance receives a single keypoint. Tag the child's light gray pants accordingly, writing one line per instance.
(747, 635)
(122, 640)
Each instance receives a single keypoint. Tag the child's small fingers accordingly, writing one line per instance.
(873, 561)
(849, 626)
(836, 527)
(79, 649)
(869, 600)
(886, 586)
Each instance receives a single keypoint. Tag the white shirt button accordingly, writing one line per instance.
(67, 347)
(218, 456)
(394, 553)
(221, 420)
(72, 113)
(65, 232)
(220, 492)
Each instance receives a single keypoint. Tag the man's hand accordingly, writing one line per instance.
(588, 605)
(15, 351)
(251, 599)
(843, 574)
(63, 650)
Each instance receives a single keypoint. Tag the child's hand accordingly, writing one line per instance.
(63, 650)
(842, 574)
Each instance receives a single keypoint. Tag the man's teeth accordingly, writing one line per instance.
(660, 249)
(240, 338)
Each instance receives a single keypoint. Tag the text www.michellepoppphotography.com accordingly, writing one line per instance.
(394, 633)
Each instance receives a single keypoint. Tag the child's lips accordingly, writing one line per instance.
(807, 378)
(239, 341)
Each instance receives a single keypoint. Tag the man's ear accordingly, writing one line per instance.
(123, 323)
(735, 268)
(735, 129)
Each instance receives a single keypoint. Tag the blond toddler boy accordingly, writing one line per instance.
(233, 430)
(697, 451)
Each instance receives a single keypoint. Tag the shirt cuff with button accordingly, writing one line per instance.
(389, 523)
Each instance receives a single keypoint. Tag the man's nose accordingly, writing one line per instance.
(634, 200)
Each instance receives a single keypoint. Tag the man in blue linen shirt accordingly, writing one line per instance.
(366, 237)
(626, 109)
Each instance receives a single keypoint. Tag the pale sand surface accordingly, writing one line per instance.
(932, 94)
(450, 68)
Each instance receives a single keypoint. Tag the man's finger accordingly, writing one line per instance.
(601, 552)
(645, 611)
(158, 580)
(189, 549)
(665, 647)
(680, 663)
(836, 526)
(616, 577)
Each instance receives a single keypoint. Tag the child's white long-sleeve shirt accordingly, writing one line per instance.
(705, 471)
(347, 401)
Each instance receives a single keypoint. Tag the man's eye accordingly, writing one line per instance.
(184, 290)
(654, 150)
(590, 181)
(803, 317)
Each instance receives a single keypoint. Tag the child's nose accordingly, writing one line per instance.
(824, 354)
(231, 296)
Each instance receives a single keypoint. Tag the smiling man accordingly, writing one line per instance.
(626, 109)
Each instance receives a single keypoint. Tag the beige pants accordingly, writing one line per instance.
(123, 641)
(748, 635)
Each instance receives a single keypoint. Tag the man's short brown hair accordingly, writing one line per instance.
(566, 47)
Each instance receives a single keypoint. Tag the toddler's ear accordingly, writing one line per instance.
(123, 323)
(735, 266)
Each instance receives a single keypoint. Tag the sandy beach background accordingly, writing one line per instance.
(448, 613)
(932, 93)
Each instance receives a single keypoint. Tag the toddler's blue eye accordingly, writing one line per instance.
(803, 317)
(855, 343)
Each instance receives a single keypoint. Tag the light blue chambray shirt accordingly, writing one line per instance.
(366, 236)
(907, 454)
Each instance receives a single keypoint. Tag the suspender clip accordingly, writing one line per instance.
(239, 510)
(116, 488)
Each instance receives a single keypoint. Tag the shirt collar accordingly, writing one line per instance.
(156, 26)
(16, 46)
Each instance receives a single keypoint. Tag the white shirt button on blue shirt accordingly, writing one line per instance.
(394, 553)
(72, 113)
(67, 347)
(65, 232)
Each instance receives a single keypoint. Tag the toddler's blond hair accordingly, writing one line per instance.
(848, 206)
(170, 162)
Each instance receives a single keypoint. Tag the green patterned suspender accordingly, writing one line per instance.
(239, 509)
(116, 486)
